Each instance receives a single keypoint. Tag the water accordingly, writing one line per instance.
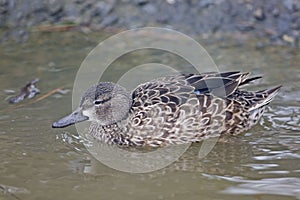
(38, 162)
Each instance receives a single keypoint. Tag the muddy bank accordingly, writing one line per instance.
(278, 21)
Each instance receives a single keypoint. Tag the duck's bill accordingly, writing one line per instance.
(73, 118)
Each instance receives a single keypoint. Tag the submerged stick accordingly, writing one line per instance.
(38, 99)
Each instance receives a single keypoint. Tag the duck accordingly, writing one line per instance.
(170, 110)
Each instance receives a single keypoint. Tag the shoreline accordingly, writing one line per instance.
(277, 21)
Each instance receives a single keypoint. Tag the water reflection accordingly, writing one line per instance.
(274, 186)
(227, 157)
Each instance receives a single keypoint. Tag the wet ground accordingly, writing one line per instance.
(276, 20)
(38, 162)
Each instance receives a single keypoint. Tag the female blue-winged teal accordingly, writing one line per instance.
(171, 110)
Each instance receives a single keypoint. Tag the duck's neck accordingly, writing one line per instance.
(115, 133)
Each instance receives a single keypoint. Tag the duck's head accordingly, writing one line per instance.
(105, 103)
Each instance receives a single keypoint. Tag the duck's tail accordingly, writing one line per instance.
(264, 97)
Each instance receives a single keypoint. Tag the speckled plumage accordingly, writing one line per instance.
(172, 110)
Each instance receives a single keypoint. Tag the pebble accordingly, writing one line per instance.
(3, 10)
(296, 24)
(283, 25)
(288, 39)
(85, 19)
(109, 20)
(55, 7)
(275, 12)
(245, 26)
(71, 11)
(259, 14)
(205, 3)
(11, 4)
(289, 4)
(3, 2)
(141, 2)
(3, 6)
(79, 1)
(86, 6)
(171, 1)
(150, 9)
(102, 9)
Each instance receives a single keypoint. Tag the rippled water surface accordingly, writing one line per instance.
(38, 162)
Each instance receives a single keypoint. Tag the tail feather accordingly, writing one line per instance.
(248, 80)
(267, 97)
(257, 110)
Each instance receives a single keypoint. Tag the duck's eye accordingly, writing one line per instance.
(97, 102)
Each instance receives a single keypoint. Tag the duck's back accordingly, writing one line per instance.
(188, 108)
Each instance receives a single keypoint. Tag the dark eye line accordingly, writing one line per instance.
(98, 102)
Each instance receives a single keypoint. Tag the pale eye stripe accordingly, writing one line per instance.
(97, 101)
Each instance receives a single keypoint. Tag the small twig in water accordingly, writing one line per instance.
(28, 91)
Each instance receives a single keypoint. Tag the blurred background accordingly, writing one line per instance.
(277, 20)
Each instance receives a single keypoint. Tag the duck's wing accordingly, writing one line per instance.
(171, 89)
(178, 88)
(219, 84)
